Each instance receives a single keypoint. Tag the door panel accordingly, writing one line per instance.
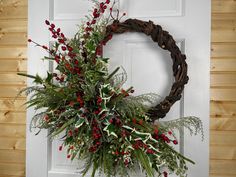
(148, 67)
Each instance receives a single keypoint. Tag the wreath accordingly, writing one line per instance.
(97, 119)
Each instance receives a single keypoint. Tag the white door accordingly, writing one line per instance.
(149, 69)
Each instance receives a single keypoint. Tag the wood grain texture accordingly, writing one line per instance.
(12, 175)
(223, 152)
(13, 39)
(223, 89)
(13, 26)
(13, 52)
(12, 79)
(223, 109)
(9, 117)
(13, 65)
(16, 131)
(13, 9)
(223, 50)
(223, 16)
(223, 6)
(223, 167)
(12, 156)
(220, 79)
(222, 138)
(12, 104)
(11, 143)
(12, 169)
(223, 124)
(227, 65)
(223, 94)
(10, 91)
(224, 31)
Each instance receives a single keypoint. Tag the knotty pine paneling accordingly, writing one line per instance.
(223, 89)
(220, 79)
(13, 26)
(13, 59)
(223, 109)
(12, 79)
(12, 130)
(10, 91)
(223, 152)
(16, 169)
(223, 167)
(13, 38)
(10, 117)
(223, 124)
(13, 9)
(11, 143)
(12, 104)
(223, 64)
(17, 65)
(12, 156)
(223, 50)
(223, 6)
(11, 52)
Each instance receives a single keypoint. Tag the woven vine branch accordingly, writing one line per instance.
(166, 42)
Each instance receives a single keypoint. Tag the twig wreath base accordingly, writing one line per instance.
(166, 42)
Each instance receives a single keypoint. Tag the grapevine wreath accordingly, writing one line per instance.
(98, 121)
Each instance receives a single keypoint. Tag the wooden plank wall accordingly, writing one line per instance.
(13, 45)
(223, 89)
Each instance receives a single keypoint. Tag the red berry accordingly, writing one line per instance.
(94, 21)
(169, 132)
(60, 148)
(175, 142)
(88, 23)
(52, 25)
(99, 100)
(70, 133)
(68, 156)
(47, 22)
(63, 48)
(141, 122)
(150, 151)
(69, 48)
(111, 9)
(111, 121)
(165, 174)
(62, 35)
(134, 120)
(54, 36)
(45, 47)
(156, 131)
(71, 103)
(108, 1)
(58, 30)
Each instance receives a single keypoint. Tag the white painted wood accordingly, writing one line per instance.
(148, 68)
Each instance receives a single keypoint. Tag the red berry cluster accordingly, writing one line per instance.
(135, 121)
(96, 134)
(80, 100)
(96, 14)
(165, 174)
(139, 144)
